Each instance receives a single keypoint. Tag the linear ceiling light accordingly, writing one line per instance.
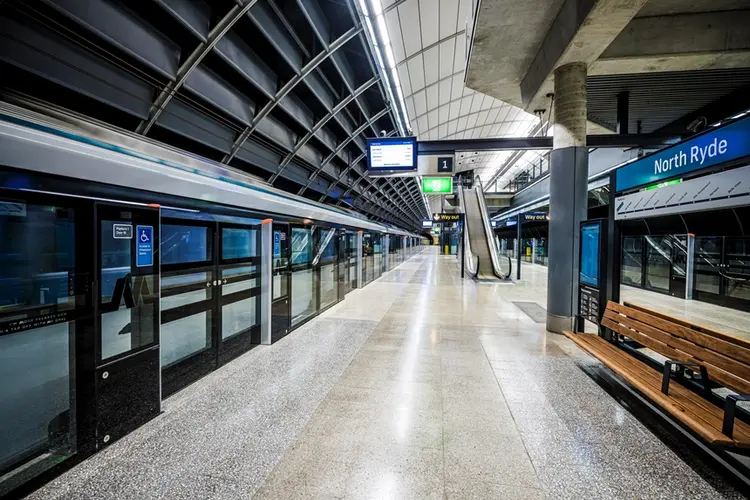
(372, 14)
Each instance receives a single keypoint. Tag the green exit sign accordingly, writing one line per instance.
(437, 185)
(663, 184)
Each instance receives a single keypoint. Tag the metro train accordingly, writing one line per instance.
(129, 269)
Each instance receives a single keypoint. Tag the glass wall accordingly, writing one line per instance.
(632, 261)
(37, 355)
(540, 256)
(658, 262)
(722, 271)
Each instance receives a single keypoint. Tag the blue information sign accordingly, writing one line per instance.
(276, 244)
(144, 245)
(720, 145)
(589, 273)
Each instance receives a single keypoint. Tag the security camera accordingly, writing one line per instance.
(383, 133)
(698, 124)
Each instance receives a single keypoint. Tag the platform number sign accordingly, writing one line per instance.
(445, 164)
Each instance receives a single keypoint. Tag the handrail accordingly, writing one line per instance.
(488, 229)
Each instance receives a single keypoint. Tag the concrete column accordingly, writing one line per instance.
(569, 165)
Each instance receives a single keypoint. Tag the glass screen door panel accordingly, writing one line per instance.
(45, 306)
(326, 254)
(128, 373)
(280, 305)
(239, 285)
(187, 302)
(303, 287)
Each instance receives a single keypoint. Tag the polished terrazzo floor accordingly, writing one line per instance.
(419, 386)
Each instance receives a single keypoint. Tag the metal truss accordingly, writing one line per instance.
(288, 86)
(333, 112)
(168, 92)
(339, 148)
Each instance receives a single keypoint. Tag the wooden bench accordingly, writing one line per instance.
(720, 359)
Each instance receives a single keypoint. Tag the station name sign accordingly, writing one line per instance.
(717, 146)
(447, 217)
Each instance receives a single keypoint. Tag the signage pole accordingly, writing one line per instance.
(611, 285)
(518, 246)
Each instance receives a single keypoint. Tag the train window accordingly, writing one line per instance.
(301, 246)
(238, 243)
(181, 244)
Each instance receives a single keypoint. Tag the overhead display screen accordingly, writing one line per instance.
(427, 223)
(392, 154)
(590, 234)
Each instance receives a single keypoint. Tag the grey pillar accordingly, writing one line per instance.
(266, 280)
(569, 165)
(360, 261)
(533, 250)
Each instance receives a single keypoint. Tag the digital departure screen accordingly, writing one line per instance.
(392, 154)
(590, 234)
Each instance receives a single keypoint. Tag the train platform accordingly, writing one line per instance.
(421, 385)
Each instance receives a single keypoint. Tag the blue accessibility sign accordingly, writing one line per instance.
(144, 256)
(276, 244)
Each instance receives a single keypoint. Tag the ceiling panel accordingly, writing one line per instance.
(429, 42)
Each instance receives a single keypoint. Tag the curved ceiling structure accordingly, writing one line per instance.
(285, 90)
(429, 49)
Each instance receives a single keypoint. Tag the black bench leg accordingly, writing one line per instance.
(682, 364)
(730, 407)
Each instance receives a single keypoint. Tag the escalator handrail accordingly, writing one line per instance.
(488, 229)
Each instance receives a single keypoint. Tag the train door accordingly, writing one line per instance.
(127, 349)
(280, 306)
(210, 284)
(237, 305)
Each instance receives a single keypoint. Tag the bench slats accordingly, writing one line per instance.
(720, 368)
(648, 382)
(681, 399)
(727, 348)
(698, 328)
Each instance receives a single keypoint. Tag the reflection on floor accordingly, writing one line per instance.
(421, 385)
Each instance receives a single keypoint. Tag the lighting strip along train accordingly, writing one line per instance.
(129, 269)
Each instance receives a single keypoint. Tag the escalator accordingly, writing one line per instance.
(482, 257)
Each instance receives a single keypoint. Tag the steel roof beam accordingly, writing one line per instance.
(320, 125)
(170, 90)
(338, 149)
(287, 88)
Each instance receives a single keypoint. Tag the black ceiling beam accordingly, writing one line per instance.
(541, 143)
